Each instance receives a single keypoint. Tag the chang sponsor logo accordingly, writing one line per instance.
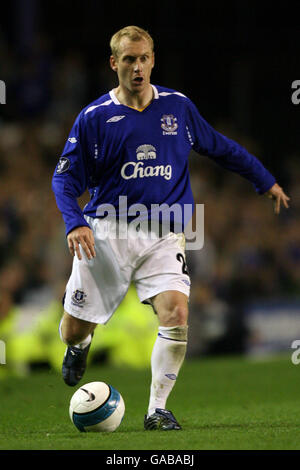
(133, 170)
(146, 152)
(139, 170)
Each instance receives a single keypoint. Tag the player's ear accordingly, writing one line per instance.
(153, 59)
(113, 63)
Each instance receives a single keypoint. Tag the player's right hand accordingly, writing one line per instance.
(82, 236)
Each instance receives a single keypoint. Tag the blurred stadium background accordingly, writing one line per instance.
(236, 61)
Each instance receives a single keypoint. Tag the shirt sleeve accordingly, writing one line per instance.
(70, 179)
(226, 152)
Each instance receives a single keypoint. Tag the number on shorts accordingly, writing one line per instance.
(181, 259)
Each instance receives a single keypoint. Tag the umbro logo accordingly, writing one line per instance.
(171, 376)
(115, 118)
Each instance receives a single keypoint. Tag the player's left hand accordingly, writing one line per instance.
(279, 197)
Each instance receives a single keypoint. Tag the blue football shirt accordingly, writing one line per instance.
(114, 150)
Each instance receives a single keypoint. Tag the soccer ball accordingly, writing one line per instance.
(97, 407)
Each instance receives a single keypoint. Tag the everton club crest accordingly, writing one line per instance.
(169, 124)
(78, 298)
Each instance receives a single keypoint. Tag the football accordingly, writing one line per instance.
(97, 407)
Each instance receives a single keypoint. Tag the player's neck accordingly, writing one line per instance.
(134, 100)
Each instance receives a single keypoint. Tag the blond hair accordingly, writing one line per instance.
(134, 33)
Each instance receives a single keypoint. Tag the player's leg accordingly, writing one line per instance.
(171, 308)
(75, 331)
(77, 334)
(167, 356)
(162, 280)
(94, 291)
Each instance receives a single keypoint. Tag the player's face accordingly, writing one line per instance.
(134, 65)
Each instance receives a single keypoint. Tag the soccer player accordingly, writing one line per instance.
(134, 142)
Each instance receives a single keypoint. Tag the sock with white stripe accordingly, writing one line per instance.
(166, 360)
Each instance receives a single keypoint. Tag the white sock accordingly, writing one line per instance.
(84, 343)
(166, 360)
(81, 345)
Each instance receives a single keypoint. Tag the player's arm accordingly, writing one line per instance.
(234, 157)
(69, 183)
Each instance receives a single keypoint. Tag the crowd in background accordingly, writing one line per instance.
(248, 252)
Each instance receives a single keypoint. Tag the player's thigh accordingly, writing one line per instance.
(162, 280)
(171, 307)
(96, 287)
(75, 329)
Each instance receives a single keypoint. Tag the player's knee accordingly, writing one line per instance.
(71, 334)
(180, 315)
(73, 330)
(171, 308)
(71, 337)
(176, 315)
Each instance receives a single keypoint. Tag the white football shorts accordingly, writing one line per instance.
(154, 264)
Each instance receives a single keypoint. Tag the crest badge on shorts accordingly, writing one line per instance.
(78, 297)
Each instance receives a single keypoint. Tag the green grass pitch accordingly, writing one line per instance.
(221, 403)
